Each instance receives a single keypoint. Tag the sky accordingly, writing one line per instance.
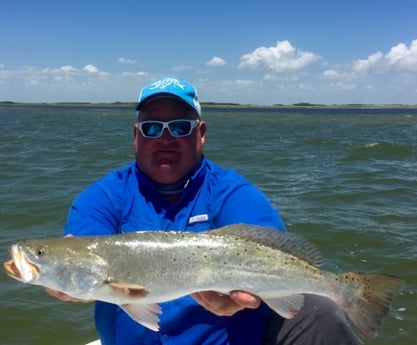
(245, 51)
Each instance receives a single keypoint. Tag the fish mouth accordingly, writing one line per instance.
(19, 267)
(11, 269)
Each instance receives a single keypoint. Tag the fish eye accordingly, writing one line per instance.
(40, 252)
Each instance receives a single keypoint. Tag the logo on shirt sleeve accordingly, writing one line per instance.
(198, 218)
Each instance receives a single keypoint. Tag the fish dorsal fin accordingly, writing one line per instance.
(287, 242)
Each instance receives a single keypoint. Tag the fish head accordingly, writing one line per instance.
(59, 264)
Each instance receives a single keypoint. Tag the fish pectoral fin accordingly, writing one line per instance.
(287, 306)
(135, 291)
(145, 314)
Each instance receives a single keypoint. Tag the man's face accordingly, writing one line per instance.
(168, 159)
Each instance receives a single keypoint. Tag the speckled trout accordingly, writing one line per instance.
(138, 270)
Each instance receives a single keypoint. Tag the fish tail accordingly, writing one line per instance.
(371, 299)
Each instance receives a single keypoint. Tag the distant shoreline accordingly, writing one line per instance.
(224, 105)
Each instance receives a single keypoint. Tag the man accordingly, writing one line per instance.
(172, 186)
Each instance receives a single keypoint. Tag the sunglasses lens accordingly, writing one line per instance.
(179, 128)
(151, 129)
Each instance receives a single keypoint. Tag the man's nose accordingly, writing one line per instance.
(166, 135)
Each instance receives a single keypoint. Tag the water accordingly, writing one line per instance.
(346, 179)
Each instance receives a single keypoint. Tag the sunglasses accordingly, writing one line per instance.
(177, 128)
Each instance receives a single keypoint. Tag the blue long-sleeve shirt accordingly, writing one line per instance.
(127, 200)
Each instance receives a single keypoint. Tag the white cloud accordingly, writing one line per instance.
(129, 74)
(63, 70)
(386, 76)
(67, 69)
(282, 58)
(91, 69)
(230, 85)
(243, 91)
(216, 61)
(244, 84)
(402, 56)
(331, 73)
(68, 83)
(362, 65)
(126, 61)
(344, 85)
(381, 77)
(399, 58)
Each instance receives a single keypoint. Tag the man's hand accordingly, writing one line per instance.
(226, 305)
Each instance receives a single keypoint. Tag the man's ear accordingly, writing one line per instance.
(135, 130)
(203, 129)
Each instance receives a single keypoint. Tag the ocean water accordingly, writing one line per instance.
(344, 178)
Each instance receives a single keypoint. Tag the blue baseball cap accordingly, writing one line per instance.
(180, 89)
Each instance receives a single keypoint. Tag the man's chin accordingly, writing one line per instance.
(167, 173)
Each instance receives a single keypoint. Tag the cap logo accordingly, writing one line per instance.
(167, 82)
(170, 86)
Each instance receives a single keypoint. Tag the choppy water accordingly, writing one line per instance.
(346, 179)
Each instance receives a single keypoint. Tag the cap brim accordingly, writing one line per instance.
(142, 103)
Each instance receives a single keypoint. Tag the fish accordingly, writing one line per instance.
(139, 270)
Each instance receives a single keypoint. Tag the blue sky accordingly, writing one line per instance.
(248, 52)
